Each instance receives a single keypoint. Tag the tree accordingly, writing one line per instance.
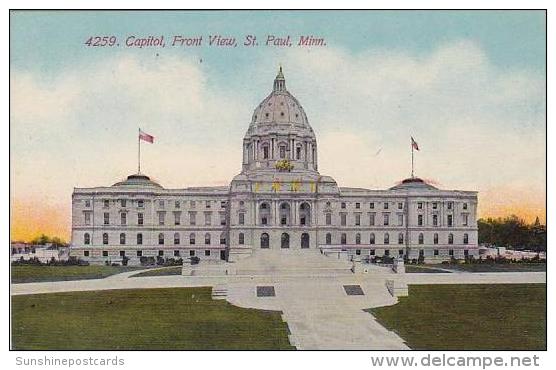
(512, 232)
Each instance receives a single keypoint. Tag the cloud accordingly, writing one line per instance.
(480, 126)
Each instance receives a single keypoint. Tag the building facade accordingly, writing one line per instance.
(278, 201)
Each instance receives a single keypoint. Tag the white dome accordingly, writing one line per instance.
(280, 108)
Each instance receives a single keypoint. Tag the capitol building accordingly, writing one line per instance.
(278, 201)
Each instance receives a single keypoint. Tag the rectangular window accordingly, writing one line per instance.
(464, 205)
(222, 219)
(192, 253)
(207, 203)
(177, 218)
(343, 205)
(264, 220)
(123, 218)
(140, 219)
(104, 253)
(343, 219)
(328, 217)
(357, 219)
(283, 220)
(420, 220)
(385, 205)
(241, 220)
(434, 220)
(435, 205)
(139, 253)
(208, 218)
(400, 252)
(400, 205)
(420, 205)
(176, 253)
(371, 205)
(106, 218)
(207, 252)
(223, 204)
(123, 203)
(192, 218)
(87, 216)
(372, 219)
(450, 220)
(106, 203)
(122, 253)
(451, 252)
(358, 252)
(161, 218)
(357, 205)
(450, 205)
(177, 204)
(140, 203)
(372, 252)
(160, 253)
(88, 204)
(161, 204)
(400, 220)
(386, 218)
(85, 253)
(436, 252)
(465, 220)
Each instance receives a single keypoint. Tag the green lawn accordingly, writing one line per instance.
(175, 270)
(470, 317)
(495, 267)
(140, 319)
(37, 273)
(423, 269)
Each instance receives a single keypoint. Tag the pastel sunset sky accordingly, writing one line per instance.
(468, 86)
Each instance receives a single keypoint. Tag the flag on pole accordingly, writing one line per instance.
(414, 144)
(146, 137)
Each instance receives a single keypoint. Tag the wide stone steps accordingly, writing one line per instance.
(219, 292)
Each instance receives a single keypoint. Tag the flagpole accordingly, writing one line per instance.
(139, 151)
(412, 173)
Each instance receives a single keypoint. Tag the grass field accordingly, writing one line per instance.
(469, 317)
(37, 273)
(175, 270)
(157, 319)
(494, 267)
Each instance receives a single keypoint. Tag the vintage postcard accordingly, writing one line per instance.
(278, 180)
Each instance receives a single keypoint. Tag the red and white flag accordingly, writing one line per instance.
(146, 137)
(414, 144)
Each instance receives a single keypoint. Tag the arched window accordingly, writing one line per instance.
(304, 240)
(105, 238)
(357, 238)
(207, 239)
(241, 238)
(86, 239)
(305, 214)
(372, 238)
(465, 239)
(192, 238)
(161, 239)
(222, 238)
(435, 239)
(285, 240)
(450, 238)
(264, 214)
(400, 238)
(421, 238)
(139, 239)
(122, 238)
(177, 238)
(343, 239)
(284, 214)
(265, 240)
(386, 238)
(328, 238)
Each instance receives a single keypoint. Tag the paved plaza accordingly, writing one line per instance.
(321, 300)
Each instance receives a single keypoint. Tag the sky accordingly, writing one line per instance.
(469, 86)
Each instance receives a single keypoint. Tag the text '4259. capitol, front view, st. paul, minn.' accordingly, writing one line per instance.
(278, 201)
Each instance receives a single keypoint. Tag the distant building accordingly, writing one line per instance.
(279, 200)
(43, 253)
(509, 254)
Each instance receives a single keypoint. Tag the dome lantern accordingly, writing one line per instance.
(280, 81)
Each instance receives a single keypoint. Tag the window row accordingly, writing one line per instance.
(386, 239)
(176, 219)
(123, 239)
(123, 203)
(139, 253)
